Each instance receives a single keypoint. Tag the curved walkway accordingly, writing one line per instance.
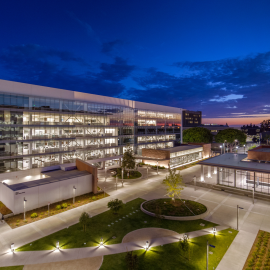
(52, 256)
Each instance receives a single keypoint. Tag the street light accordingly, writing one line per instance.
(74, 193)
(236, 149)
(12, 247)
(57, 245)
(238, 207)
(146, 245)
(214, 231)
(244, 148)
(105, 173)
(157, 167)
(220, 149)
(101, 244)
(24, 203)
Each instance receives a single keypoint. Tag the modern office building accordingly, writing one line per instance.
(191, 118)
(249, 172)
(42, 127)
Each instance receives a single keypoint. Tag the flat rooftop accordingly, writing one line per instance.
(236, 161)
(267, 150)
(183, 148)
(50, 177)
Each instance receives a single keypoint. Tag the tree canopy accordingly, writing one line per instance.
(174, 183)
(230, 135)
(84, 220)
(197, 134)
(115, 205)
(128, 159)
(265, 125)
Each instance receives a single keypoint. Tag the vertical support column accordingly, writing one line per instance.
(30, 118)
(61, 158)
(202, 173)
(234, 178)
(217, 175)
(30, 163)
(209, 172)
(254, 182)
(30, 147)
(215, 170)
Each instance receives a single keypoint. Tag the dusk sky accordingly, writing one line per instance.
(212, 56)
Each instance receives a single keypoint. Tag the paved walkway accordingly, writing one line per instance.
(222, 208)
(49, 256)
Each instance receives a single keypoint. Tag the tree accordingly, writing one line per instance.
(132, 261)
(115, 205)
(184, 247)
(128, 159)
(197, 134)
(84, 220)
(231, 137)
(174, 183)
(265, 125)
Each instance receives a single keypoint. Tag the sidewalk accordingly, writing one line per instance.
(47, 256)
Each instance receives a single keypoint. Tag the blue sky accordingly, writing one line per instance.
(212, 56)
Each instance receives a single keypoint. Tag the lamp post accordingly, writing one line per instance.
(12, 247)
(116, 179)
(244, 148)
(214, 231)
(157, 167)
(105, 173)
(238, 207)
(225, 147)
(236, 149)
(220, 149)
(147, 171)
(122, 174)
(74, 193)
(146, 245)
(207, 253)
(24, 203)
(57, 245)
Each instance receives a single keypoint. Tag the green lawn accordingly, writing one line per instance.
(18, 267)
(74, 237)
(168, 257)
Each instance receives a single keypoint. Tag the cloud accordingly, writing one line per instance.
(226, 98)
(108, 47)
(86, 26)
(43, 66)
(233, 107)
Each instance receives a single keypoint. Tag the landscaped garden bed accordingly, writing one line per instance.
(170, 256)
(259, 256)
(4, 210)
(55, 208)
(112, 228)
(159, 167)
(168, 207)
(132, 174)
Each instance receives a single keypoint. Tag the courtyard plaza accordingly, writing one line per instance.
(221, 206)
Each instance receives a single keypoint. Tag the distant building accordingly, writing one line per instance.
(192, 118)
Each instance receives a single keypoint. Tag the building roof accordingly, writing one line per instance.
(183, 148)
(236, 161)
(11, 87)
(51, 177)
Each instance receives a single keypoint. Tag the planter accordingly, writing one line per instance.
(183, 218)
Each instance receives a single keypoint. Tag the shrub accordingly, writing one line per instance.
(64, 205)
(25, 221)
(58, 207)
(68, 204)
(115, 205)
(34, 215)
(18, 220)
(94, 198)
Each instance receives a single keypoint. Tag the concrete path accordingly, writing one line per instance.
(50, 256)
(221, 205)
(93, 263)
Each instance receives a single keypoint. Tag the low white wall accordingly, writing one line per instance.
(7, 196)
(40, 196)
